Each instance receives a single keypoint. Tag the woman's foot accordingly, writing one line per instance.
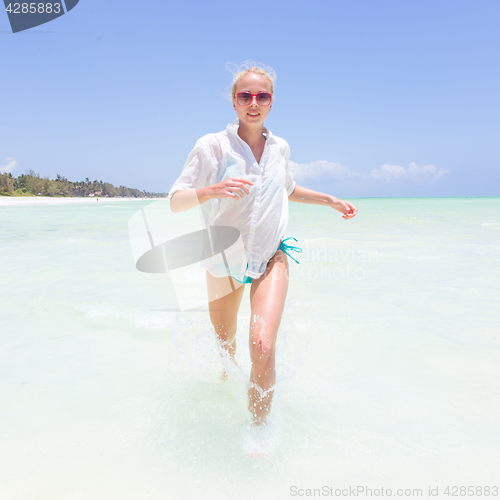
(223, 375)
(258, 441)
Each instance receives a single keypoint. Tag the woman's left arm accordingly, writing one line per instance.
(303, 195)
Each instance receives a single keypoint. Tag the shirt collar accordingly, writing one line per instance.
(232, 129)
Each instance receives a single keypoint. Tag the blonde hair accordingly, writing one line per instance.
(250, 67)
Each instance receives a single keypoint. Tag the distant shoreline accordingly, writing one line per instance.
(11, 201)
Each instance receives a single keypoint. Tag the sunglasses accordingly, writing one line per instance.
(245, 98)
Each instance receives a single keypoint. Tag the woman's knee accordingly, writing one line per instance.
(262, 349)
(225, 328)
(261, 346)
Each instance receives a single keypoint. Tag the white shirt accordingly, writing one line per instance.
(261, 216)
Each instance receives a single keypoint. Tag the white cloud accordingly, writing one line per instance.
(326, 171)
(389, 173)
(322, 170)
(11, 165)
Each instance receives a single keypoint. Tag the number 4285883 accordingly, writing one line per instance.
(33, 8)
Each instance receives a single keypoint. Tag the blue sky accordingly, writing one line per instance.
(375, 98)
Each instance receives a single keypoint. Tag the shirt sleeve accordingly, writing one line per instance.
(289, 182)
(197, 169)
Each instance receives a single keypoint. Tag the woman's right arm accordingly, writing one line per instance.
(232, 187)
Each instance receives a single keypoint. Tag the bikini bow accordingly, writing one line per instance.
(286, 247)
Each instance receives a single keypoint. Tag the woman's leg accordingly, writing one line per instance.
(224, 311)
(267, 299)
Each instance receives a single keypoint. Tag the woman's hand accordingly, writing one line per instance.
(231, 187)
(304, 195)
(346, 208)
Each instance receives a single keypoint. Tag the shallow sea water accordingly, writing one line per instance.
(388, 360)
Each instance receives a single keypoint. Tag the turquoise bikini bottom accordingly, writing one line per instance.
(283, 246)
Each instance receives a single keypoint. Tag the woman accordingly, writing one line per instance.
(241, 178)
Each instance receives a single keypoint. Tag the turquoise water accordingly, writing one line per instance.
(388, 359)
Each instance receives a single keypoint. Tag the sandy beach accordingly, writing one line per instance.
(11, 201)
